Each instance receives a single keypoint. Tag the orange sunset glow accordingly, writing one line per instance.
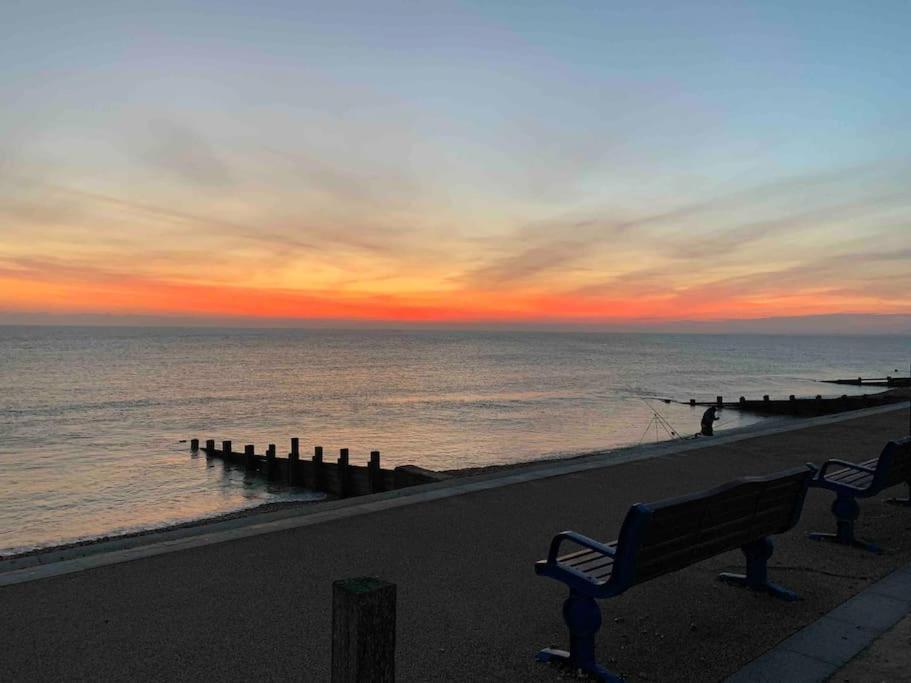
(574, 183)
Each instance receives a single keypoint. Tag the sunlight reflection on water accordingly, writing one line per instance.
(91, 418)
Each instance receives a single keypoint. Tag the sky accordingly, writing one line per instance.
(594, 163)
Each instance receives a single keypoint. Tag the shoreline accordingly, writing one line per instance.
(452, 474)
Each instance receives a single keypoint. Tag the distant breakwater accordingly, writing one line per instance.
(806, 406)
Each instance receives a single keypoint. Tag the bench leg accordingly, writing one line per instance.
(905, 502)
(757, 575)
(583, 618)
(846, 511)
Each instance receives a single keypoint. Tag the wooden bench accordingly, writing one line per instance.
(659, 538)
(862, 480)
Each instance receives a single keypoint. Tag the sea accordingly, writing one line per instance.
(94, 421)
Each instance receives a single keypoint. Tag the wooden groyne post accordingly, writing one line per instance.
(293, 459)
(363, 630)
(318, 483)
(270, 461)
(375, 473)
(344, 473)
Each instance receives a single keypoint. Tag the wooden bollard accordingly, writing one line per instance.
(249, 457)
(374, 473)
(270, 461)
(293, 458)
(363, 630)
(742, 400)
(719, 400)
(210, 447)
(344, 474)
(318, 474)
(194, 445)
(226, 450)
(692, 401)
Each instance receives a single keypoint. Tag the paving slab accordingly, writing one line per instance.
(830, 643)
(831, 640)
(873, 610)
(887, 659)
(896, 586)
(784, 665)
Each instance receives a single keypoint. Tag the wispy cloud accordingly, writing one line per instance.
(182, 151)
(743, 252)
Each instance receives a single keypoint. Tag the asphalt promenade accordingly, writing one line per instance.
(470, 607)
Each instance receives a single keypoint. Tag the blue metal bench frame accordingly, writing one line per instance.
(862, 480)
(580, 610)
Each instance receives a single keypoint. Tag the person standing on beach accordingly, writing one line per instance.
(708, 419)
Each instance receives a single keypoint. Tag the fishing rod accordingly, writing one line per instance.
(657, 419)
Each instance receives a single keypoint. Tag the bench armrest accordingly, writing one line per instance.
(843, 463)
(578, 539)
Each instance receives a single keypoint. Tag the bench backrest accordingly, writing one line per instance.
(663, 537)
(894, 465)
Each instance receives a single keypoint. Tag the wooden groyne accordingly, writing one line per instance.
(805, 406)
(873, 381)
(339, 478)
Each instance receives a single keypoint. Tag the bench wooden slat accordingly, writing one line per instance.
(714, 524)
(665, 524)
(724, 532)
(603, 573)
(572, 559)
(674, 555)
(594, 565)
(581, 559)
(567, 559)
(848, 474)
(859, 481)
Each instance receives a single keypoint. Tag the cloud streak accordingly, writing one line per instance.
(354, 253)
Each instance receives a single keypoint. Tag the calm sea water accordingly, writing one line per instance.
(91, 418)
